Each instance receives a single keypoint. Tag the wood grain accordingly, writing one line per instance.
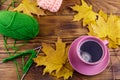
(61, 24)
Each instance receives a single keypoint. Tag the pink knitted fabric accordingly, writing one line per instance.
(51, 5)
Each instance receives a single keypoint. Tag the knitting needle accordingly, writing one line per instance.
(23, 76)
(31, 64)
(17, 55)
(13, 57)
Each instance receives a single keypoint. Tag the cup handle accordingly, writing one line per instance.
(105, 42)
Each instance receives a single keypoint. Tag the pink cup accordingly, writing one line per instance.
(89, 55)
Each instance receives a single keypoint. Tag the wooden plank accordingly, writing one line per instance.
(61, 24)
(8, 69)
(109, 6)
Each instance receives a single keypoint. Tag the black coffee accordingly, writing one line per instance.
(91, 51)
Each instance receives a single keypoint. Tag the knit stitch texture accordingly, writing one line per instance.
(18, 26)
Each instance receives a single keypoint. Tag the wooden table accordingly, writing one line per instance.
(61, 24)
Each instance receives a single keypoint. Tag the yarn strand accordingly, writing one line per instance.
(15, 62)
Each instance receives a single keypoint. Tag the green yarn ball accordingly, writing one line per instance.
(18, 26)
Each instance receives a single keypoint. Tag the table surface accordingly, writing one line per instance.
(61, 24)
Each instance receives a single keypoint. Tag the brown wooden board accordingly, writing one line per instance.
(61, 24)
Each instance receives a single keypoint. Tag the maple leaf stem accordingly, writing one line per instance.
(9, 6)
(13, 3)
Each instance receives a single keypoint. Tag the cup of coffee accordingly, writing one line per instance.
(89, 55)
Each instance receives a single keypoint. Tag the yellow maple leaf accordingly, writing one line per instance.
(106, 29)
(118, 41)
(104, 15)
(91, 32)
(112, 44)
(113, 27)
(118, 29)
(100, 28)
(29, 7)
(66, 71)
(84, 12)
(55, 59)
(99, 24)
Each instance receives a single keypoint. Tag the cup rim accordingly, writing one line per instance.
(91, 38)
